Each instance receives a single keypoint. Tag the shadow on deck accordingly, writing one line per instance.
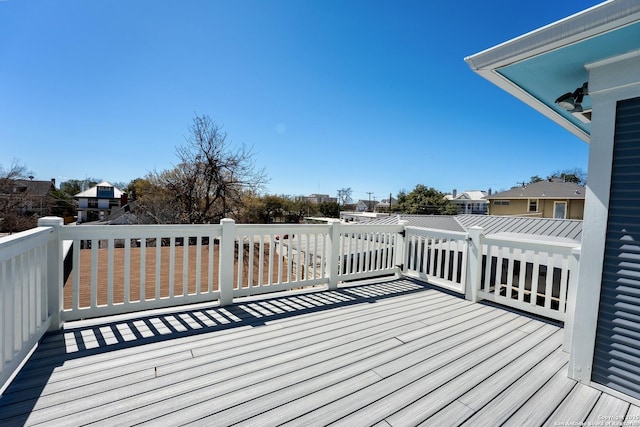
(399, 352)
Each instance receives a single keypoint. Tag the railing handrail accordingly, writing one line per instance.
(23, 241)
(524, 243)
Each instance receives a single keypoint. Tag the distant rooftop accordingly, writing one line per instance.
(493, 224)
(549, 189)
(93, 191)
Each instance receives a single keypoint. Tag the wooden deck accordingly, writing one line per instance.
(396, 353)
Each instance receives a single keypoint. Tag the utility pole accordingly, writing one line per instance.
(369, 205)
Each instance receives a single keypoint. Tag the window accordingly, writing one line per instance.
(501, 202)
(533, 205)
(560, 210)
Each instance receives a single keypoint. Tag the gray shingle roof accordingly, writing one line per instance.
(35, 188)
(554, 189)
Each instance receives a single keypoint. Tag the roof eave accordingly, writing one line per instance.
(589, 23)
(524, 96)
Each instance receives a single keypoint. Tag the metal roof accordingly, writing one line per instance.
(440, 222)
(493, 224)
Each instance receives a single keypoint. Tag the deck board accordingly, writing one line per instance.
(393, 353)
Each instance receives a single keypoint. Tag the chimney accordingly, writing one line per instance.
(454, 193)
(124, 199)
(53, 182)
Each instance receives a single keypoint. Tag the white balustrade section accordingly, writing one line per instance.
(366, 251)
(126, 268)
(528, 274)
(437, 256)
(129, 268)
(24, 311)
(280, 257)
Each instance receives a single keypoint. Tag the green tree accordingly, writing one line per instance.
(329, 209)
(425, 201)
(576, 175)
(61, 204)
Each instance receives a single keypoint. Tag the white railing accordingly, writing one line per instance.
(123, 269)
(526, 274)
(119, 269)
(24, 312)
(530, 275)
(438, 257)
(369, 251)
(126, 268)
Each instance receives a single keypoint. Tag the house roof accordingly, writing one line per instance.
(546, 189)
(477, 195)
(539, 66)
(493, 224)
(548, 227)
(35, 188)
(93, 191)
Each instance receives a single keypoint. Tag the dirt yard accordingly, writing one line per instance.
(183, 282)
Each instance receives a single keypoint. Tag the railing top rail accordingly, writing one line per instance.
(136, 231)
(350, 228)
(282, 227)
(437, 232)
(529, 243)
(25, 240)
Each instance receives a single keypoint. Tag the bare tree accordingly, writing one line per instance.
(11, 200)
(208, 182)
(344, 196)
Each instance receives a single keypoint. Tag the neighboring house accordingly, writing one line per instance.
(97, 203)
(469, 202)
(551, 198)
(22, 201)
(386, 205)
(34, 196)
(366, 206)
(583, 72)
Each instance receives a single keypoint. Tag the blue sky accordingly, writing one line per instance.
(369, 95)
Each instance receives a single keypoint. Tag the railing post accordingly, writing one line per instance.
(227, 261)
(333, 253)
(54, 270)
(572, 294)
(474, 263)
(401, 246)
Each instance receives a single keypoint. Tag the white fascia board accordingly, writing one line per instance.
(524, 96)
(583, 25)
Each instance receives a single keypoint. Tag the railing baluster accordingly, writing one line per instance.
(94, 273)
(522, 276)
(158, 252)
(185, 266)
(126, 279)
(535, 277)
(510, 255)
(172, 266)
(250, 261)
(240, 266)
(143, 269)
(261, 256)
